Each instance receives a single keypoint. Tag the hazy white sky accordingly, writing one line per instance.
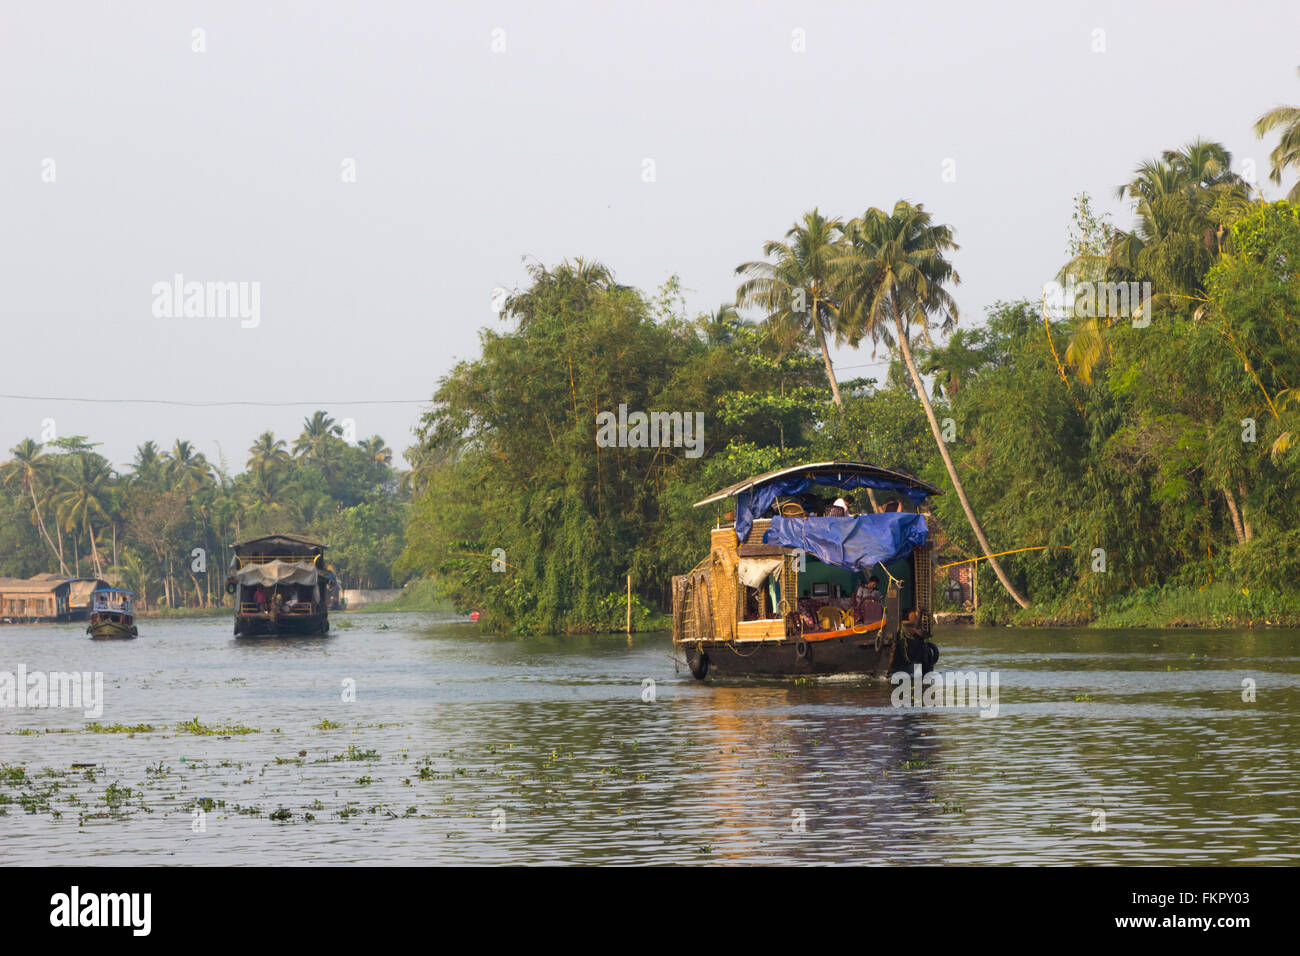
(227, 165)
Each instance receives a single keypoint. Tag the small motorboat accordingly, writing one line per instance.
(111, 614)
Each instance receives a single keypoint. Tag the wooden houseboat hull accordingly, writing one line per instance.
(857, 654)
(103, 630)
(264, 625)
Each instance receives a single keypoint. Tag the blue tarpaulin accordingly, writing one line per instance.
(853, 543)
(756, 503)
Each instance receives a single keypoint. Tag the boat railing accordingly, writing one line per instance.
(100, 605)
(302, 608)
(243, 560)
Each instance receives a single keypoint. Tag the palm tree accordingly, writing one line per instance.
(894, 272)
(314, 442)
(267, 451)
(1287, 151)
(719, 327)
(85, 497)
(269, 495)
(1182, 201)
(186, 468)
(795, 291)
(29, 469)
(147, 469)
(953, 365)
(376, 449)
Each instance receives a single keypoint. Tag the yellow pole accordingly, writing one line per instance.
(953, 564)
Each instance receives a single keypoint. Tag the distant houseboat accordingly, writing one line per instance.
(786, 588)
(46, 598)
(111, 614)
(282, 585)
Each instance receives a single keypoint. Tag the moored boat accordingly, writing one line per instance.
(111, 614)
(797, 584)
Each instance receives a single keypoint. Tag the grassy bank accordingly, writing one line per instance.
(1220, 604)
(419, 595)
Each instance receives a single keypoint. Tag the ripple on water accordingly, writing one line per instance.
(464, 749)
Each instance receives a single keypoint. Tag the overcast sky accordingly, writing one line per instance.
(232, 164)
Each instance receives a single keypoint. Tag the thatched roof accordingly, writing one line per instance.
(279, 544)
(39, 585)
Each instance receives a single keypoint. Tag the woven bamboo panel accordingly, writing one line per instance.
(765, 630)
(681, 599)
(789, 585)
(701, 625)
(727, 593)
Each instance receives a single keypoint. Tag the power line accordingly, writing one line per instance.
(166, 401)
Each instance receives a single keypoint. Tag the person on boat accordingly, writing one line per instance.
(866, 601)
(840, 509)
(259, 598)
(912, 624)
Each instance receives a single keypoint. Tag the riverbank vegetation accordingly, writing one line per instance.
(1131, 429)
(163, 528)
(1147, 444)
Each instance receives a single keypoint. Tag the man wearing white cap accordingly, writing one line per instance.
(838, 510)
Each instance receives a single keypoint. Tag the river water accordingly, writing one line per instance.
(1108, 747)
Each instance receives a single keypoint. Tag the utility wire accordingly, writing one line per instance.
(165, 401)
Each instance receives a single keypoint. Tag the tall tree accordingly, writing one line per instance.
(795, 290)
(895, 273)
(1287, 151)
(314, 444)
(85, 496)
(268, 452)
(31, 470)
(185, 468)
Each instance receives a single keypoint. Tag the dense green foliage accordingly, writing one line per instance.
(1155, 460)
(1152, 465)
(65, 510)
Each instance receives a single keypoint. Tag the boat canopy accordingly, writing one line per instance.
(755, 496)
(111, 599)
(855, 543)
(279, 545)
(276, 572)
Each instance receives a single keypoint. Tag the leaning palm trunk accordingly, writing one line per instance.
(40, 521)
(94, 553)
(906, 351)
(826, 354)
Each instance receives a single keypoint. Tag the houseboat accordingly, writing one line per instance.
(111, 614)
(46, 598)
(797, 582)
(281, 585)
